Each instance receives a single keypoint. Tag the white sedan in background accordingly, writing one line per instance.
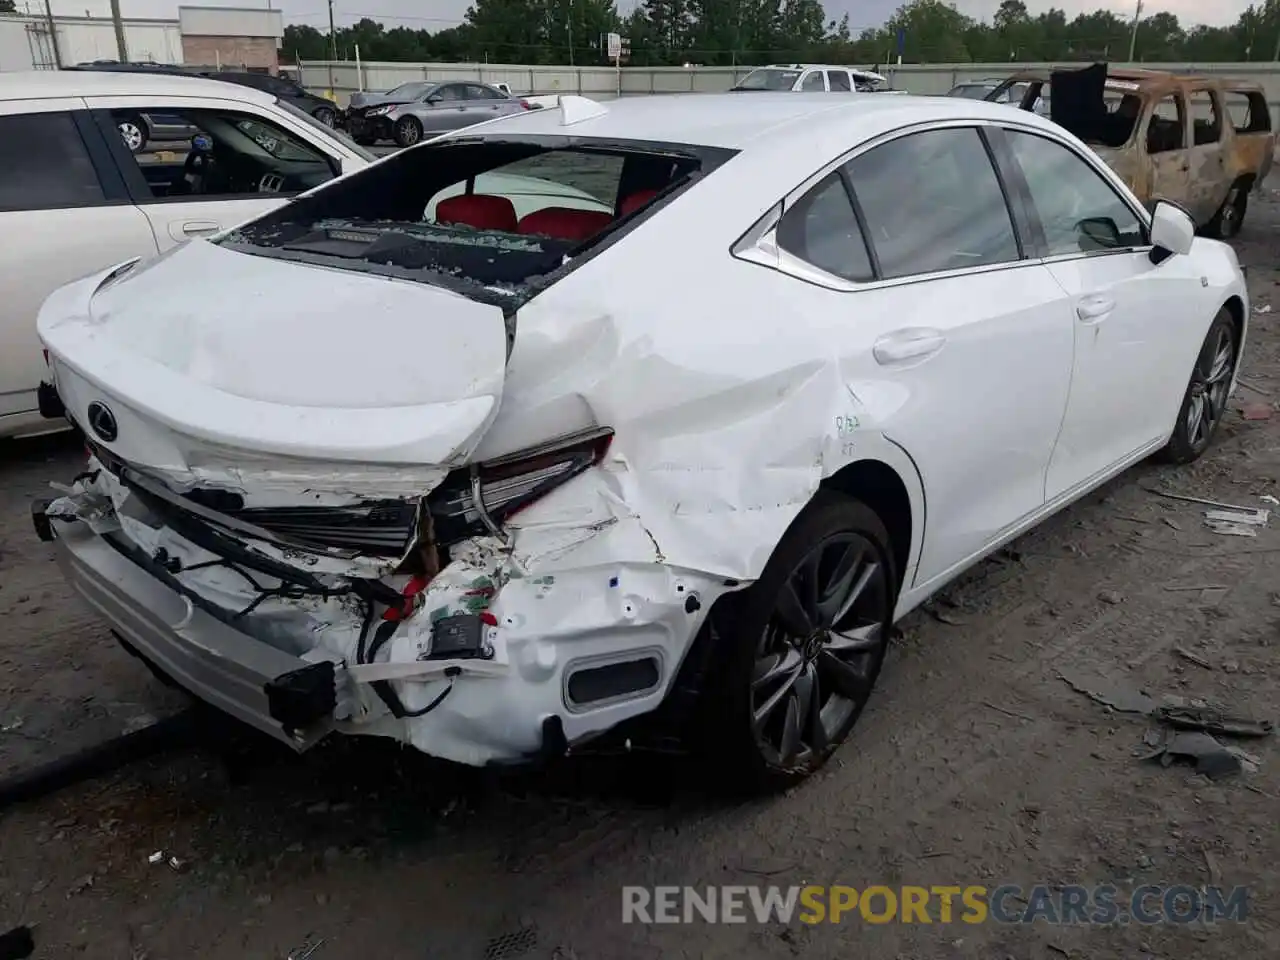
(507, 482)
(75, 199)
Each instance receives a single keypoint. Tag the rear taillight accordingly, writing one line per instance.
(480, 498)
(526, 104)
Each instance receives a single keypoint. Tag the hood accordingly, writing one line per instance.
(241, 371)
(359, 101)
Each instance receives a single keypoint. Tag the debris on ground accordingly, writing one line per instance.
(1263, 308)
(1210, 757)
(1108, 692)
(1192, 729)
(305, 951)
(1237, 521)
(1257, 411)
(1214, 721)
(1193, 658)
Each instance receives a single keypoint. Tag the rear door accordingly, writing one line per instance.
(839, 81)
(813, 82)
(954, 343)
(259, 159)
(64, 213)
(1208, 179)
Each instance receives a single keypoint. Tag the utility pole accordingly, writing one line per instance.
(122, 49)
(333, 51)
(571, 33)
(53, 35)
(1133, 37)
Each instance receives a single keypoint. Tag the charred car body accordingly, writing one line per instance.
(1201, 142)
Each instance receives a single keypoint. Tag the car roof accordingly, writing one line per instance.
(49, 84)
(740, 121)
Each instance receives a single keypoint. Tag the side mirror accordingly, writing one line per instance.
(434, 99)
(1172, 231)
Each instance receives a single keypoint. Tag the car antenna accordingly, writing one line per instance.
(575, 109)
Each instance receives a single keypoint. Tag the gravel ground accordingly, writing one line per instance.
(975, 763)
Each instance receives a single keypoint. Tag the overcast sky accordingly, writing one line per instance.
(442, 13)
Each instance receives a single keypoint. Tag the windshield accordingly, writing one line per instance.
(769, 78)
(328, 131)
(410, 91)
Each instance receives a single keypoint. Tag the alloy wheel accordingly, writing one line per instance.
(1210, 384)
(817, 659)
(132, 135)
(407, 132)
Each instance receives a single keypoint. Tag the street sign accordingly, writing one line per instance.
(615, 46)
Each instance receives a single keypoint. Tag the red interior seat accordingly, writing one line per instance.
(633, 202)
(565, 223)
(480, 210)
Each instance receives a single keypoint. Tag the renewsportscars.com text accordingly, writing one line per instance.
(972, 904)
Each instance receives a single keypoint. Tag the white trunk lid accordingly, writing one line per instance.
(230, 368)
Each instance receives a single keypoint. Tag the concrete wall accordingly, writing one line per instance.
(603, 83)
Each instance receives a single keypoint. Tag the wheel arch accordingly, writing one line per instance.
(882, 487)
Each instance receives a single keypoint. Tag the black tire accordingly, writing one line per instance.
(753, 666)
(325, 115)
(1205, 402)
(133, 131)
(1226, 223)
(408, 131)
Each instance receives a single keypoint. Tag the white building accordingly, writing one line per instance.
(201, 36)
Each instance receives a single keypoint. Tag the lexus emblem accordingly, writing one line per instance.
(102, 421)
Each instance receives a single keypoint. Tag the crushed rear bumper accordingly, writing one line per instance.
(211, 660)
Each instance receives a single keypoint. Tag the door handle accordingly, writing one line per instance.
(1094, 309)
(193, 228)
(903, 346)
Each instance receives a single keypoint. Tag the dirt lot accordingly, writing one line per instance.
(976, 763)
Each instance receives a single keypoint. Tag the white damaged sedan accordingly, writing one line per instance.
(508, 477)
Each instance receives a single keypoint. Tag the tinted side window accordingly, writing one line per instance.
(44, 164)
(1206, 121)
(812, 81)
(450, 91)
(932, 202)
(1080, 211)
(838, 80)
(476, 92)
(823, 230)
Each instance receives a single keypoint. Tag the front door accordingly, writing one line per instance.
(64, 214)
(1128, 314)
(1165, 137)
(240, 164)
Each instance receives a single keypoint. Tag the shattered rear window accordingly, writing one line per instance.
(492, 219)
